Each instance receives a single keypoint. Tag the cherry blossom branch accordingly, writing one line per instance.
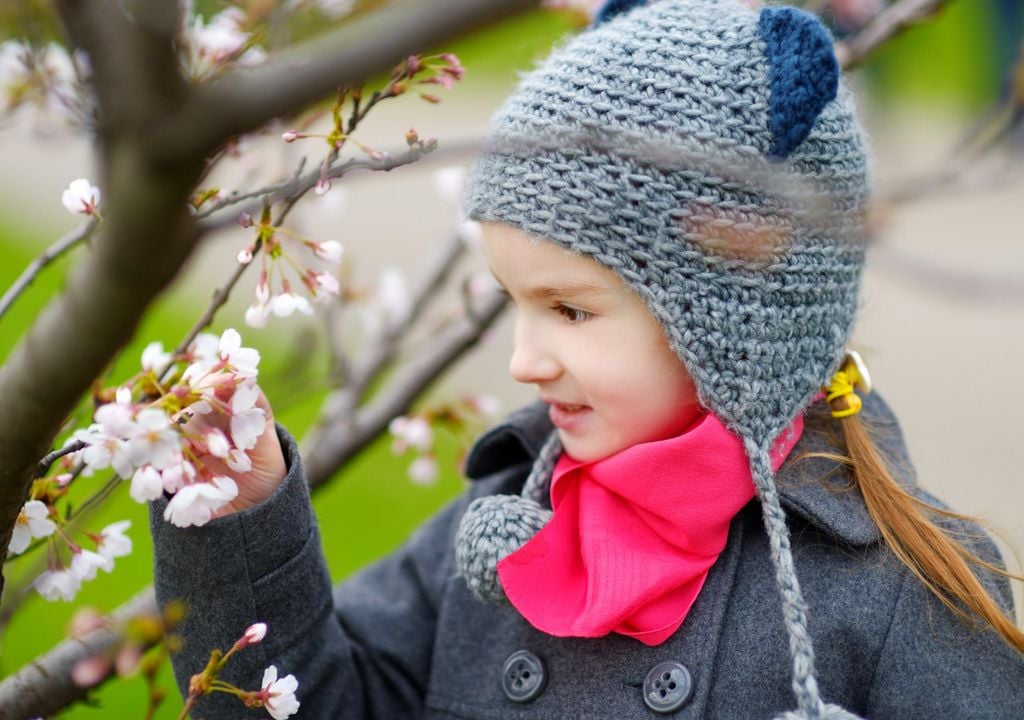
(289, 193)
(340, 436)
(883, 27)
(244, 99)
(43, 686)
(299, 185)
(79, 234)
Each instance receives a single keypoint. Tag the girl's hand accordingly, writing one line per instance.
(268, 466)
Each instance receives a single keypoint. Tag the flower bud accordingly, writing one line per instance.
(323, 185)
(412, 137)
(245, 256)
(253, 634)
(291, 136)
(245, 220)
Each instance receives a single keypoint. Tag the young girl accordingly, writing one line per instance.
(701, 517)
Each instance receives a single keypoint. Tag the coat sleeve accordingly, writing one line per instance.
(935, 664)
(362, 652)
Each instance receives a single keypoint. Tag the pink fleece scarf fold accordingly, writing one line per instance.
(633, 536)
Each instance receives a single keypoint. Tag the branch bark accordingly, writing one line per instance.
(247, 98)
(43, 686)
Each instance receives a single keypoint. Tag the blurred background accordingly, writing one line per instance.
(941, 328)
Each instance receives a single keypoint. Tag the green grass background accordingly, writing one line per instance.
(371, 506)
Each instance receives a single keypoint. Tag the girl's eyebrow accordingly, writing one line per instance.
(557, 289)
(566, 289)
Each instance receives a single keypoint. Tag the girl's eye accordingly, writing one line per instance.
(571, 314)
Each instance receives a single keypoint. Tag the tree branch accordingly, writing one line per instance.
(246, 98)
(886, 25)
(338, 438)
(79, 234)
(44, 686)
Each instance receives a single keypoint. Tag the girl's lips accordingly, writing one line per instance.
(567, 417)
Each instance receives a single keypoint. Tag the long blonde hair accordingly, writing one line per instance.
(906, 523)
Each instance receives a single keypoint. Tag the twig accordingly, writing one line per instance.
(884, 26)
(303, 183)
(79, 234)
(289, 194)
(51, 458)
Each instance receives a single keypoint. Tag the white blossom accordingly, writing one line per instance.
(57, 585)
(33, 522)
(105, 449)
(195, 504)
(113, 542)
(247, 427)
(241, 360)
(487, 405)
(256, 315)
(238, 461)
(330, 251)
(335, 9)
(205, 348)
(81, 197)
(411, 432)
(154, 440)
(178, 475)
(326, 286)
(217, 443)
(85, 563)
(154, 358)
(287, 303)
(393, 295)
(423, 470)
(123, 396)
(147, 484)
(219, 41)
(279, 694)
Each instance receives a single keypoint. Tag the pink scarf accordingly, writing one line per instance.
(633, 536)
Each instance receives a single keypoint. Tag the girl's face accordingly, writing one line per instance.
(590, 345)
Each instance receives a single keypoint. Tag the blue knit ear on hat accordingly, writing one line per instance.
(612, 8)
(803, 75)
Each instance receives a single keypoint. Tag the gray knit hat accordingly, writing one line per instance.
(708, 154)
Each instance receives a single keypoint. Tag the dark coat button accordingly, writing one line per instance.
(667, 687)
(523, 677)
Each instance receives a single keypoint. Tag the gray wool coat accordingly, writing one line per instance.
(405, 639)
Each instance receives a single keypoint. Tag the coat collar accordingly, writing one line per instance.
(816, 489)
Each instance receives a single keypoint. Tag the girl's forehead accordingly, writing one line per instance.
(517, 257)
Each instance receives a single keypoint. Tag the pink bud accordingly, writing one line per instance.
(323, 185)
(291, 136)
(245, 220)
(64, 478)
(127, 659)
(254, 634)
(245, 256)
(90, 671)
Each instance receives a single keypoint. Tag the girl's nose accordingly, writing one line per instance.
(532, 362)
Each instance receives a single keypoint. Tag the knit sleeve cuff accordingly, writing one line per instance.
(269, 534)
